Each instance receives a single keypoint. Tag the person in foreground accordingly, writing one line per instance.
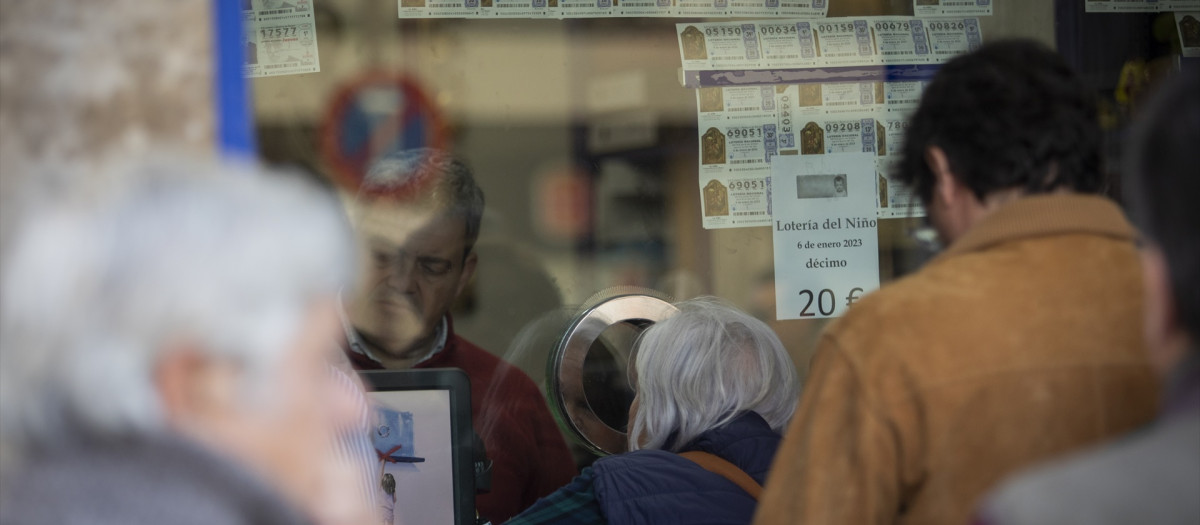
(165, 354)
(1152, 475)
(711, 379)
(1020, 342)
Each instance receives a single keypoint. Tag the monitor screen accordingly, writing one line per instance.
(421, 463)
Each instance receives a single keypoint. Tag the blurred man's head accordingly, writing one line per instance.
(195, 300)
(1162, 186)
(1007, 120)
(417, 218)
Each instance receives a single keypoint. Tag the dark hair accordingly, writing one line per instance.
(430, 175)
(1011, 114)
(1162, 185)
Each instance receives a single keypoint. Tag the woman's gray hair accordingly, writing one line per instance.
(227, 260)
(704, 367)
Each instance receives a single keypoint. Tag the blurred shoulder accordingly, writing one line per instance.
(1151, 476)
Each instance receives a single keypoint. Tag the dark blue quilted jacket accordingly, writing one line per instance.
(655, 487)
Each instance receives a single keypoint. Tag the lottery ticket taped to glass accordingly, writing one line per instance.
(844, 42)
(754, 8)
(727, 45)
(514, 8)
(732, 201)
(804, 8)
(644, 8)
(900, 40)
(950, 37)
(896, 200)
(817, 43)
(280, 38)
(1188, 24)
(439, 8)
(952, 7)
(741, 148)
(828, 136)
(1124, 6)
(735, 105)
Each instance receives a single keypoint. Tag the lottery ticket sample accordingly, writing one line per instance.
(280, 38)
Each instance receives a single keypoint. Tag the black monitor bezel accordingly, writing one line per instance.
(459, 385)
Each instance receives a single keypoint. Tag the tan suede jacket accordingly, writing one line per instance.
(1021, 342)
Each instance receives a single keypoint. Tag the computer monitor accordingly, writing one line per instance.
(422, 433)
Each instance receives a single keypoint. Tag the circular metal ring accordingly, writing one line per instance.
(568, 397)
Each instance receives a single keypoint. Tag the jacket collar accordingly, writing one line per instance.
(1045, 215)
(747, 442)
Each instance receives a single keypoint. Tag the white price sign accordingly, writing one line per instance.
(825, 233)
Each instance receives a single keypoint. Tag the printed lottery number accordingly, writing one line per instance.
(777, 30)
(829, 28)
(898, 125)
(750, 184)
(723, 31)
(744, 133)
(835, 127)
(946, 26)
(891, 26)
(278, 32)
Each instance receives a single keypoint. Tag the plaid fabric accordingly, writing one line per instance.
(574, 504)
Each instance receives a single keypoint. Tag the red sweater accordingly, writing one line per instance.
(530, 459)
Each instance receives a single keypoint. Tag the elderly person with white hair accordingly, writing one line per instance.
(715, 388)
(165, 354)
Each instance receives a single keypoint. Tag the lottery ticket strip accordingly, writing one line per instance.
(776, 88)
(1140, 6)
(659, 8)
(281, 38)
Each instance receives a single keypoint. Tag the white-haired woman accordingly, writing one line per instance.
(715, 389)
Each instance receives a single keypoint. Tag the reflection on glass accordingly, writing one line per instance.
(606, 377)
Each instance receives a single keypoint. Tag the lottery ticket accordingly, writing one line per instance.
(890, 131)
(896, 200)
(648, 8)
(735, 201)
(845, 136)
(514, 8)
(1119, 6)
(1189, 32)
(787, 43)
(280, 38)
(754, 8)
(581, 8)
(744, 147)
(439, 8)
(797, 104)
(844, 42)
(902, 97)
(732, 45)
(949, 37)
(900, 40)
(952, 7)
(701, 8)
(735, 104)
(1180, 5)
(842, 98)
(804, 8)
